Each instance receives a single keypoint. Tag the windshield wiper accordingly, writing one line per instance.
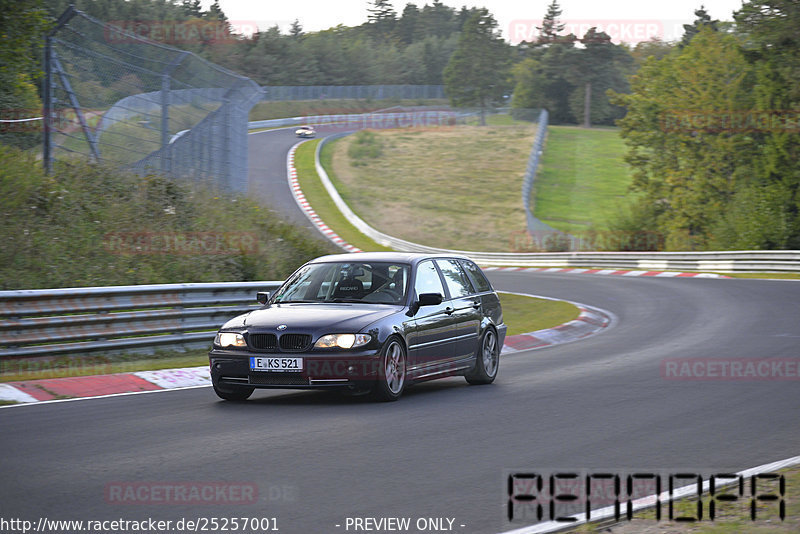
(351, 301)
(293, 301)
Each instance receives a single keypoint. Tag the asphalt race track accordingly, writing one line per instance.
(443, 450)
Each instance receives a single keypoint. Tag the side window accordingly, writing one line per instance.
(428, 280)
(476, 275)
(457, 282)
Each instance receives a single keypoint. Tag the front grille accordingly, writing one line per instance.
(263, 341)
(278, 379)
(295, 341)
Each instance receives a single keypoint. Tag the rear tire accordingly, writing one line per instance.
(233, 393)
(392, 371)
(487, 360)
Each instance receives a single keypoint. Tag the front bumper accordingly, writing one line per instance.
(321, 370)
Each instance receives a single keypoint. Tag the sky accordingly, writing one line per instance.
(628, 20)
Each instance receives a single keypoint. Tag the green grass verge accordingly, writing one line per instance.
(320, 200)
(527, 314)
(782, 276)
(582, 178)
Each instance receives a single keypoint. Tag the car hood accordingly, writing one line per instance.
(334, 318)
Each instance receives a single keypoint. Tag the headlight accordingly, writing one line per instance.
(229, 339)
(343, 341)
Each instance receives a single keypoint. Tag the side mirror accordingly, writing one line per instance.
(430, 299)
(262, 296)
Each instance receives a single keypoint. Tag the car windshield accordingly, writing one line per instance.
(375, 282)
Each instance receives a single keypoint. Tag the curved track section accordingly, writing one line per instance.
(316, 459)
(267, 180)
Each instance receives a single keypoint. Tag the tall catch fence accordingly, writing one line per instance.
(114, 97)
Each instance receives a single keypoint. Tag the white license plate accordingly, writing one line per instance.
(259, 363)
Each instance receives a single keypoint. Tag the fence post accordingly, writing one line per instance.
(47, 148)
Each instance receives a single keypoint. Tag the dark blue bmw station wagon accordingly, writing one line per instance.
(367, 322)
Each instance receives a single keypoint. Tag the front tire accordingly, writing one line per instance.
(233, 393)
(487, 360)
(392, 371)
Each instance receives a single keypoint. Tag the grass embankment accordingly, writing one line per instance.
(89, 225)
(582, 178)
(450, 187)
(731, 517)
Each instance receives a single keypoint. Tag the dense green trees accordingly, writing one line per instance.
(411, 47)
(477, 74)
(712, 130)
(569, 76)
(22, 24)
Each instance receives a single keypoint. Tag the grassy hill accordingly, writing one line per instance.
(449, 187)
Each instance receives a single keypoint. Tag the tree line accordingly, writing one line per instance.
(713, 134)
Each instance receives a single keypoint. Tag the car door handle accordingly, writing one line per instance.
(448, 310)
(476, 304)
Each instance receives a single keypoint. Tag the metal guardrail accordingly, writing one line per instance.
(77, 320)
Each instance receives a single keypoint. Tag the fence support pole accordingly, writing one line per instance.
(47, 110)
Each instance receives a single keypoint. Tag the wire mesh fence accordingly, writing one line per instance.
(114, 97)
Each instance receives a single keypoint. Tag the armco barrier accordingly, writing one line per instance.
(78, 320)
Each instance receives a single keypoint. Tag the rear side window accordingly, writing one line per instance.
(476, 275)
(428, 280)
(455, 278)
